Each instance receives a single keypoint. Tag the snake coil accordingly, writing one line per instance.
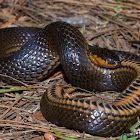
(31, 54)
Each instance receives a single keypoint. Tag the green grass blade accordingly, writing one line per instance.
(69, 138)
(136, 125)
(59, 134)
(16, 89)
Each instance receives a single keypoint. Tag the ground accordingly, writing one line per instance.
(114, 24)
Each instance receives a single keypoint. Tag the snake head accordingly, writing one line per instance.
(104, 58)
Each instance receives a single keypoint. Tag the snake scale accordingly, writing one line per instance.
(31, 54)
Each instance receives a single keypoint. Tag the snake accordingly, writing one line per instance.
(31, 54)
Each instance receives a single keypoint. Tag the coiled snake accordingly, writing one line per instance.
(31, 54)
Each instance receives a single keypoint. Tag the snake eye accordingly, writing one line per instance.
(105, 58)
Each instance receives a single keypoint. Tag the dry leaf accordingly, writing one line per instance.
(48, 137)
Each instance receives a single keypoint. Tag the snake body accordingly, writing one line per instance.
(31, 54)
